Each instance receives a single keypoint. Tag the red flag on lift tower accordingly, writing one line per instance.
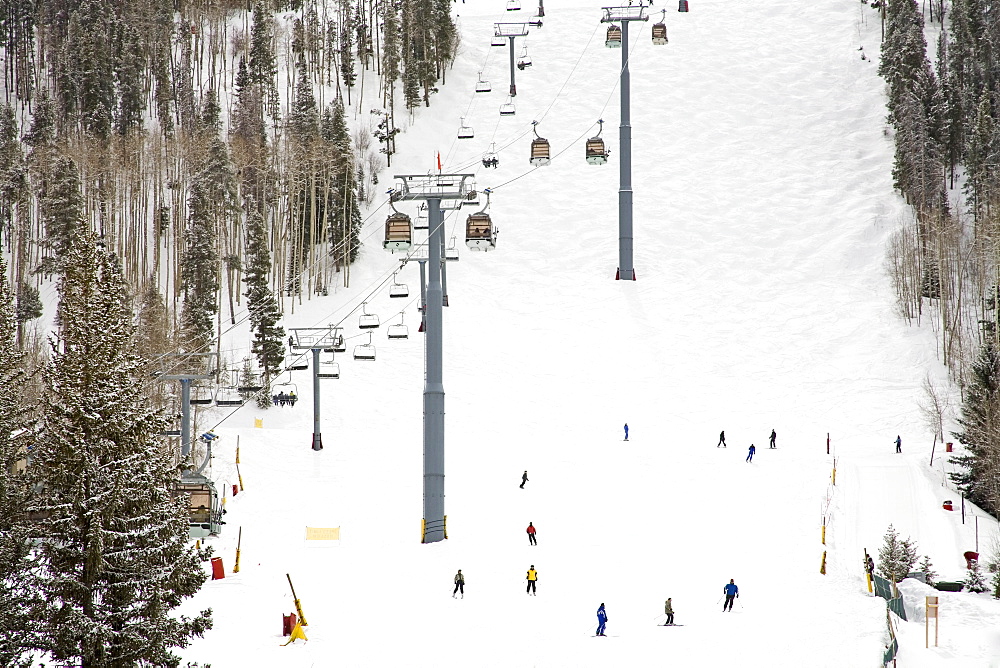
(439, 160)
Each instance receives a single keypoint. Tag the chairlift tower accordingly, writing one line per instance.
(315, 339)
(441, 192)
(511, 31)
(182, 360)
(624, 16)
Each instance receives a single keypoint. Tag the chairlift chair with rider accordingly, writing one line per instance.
(491, 159)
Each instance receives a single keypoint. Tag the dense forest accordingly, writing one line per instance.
(166, 169)
(944, 114)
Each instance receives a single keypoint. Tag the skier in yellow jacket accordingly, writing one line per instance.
(532, 579)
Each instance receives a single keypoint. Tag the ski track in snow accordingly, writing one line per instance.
(763, 199)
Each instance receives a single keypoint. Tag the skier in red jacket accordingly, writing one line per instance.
(531, 534)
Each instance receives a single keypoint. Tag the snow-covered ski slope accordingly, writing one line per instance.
(763, 200)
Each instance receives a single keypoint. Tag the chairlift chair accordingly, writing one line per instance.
(451, 253)
(228, 396)
(660, 33)
(398, 232)
(682, 5)
(365, 351)
(523, 63)
(398, 290)
(507, 108)
(465, 132)
(483, 86)
(339, 345)
(491, 159)
(200, 396)
(328, 368)
(479, 232)
(367, 320)
(513, 5)
(422, 218)
(539, 148)
(400, 331)
(299, 363)
(614, 38)
(472, 199)
(499, 40)
(596, 153)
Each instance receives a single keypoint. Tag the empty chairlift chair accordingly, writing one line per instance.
(201, 396)
(499, 40)
(398, 290)
(539, 148)
(365, 351)
(367, 320)
(507, 108)
(513, 5)
(328, 368)
(299, 363)
(228, 396)
(483, 86)
(614, 38)
(479, 231)
(400, 331)
(451, 254)
(398, 232)
(659, 33)
(465, 132)
(597, 154)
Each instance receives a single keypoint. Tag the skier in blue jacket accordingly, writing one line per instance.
(750, 456)
(626, 431)
(602, 619)
(732, 591)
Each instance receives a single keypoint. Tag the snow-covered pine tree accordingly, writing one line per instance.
(61, 212)
(262, 66)
(347, 71)
(979, 478)
(927, 568)
(344, 219)
(20, 602)
(115, 555)
(268, 343)
(974, 579)
(305, 204)
(896, 556)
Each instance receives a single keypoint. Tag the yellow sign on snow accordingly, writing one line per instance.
(322, 533)
(297, 633)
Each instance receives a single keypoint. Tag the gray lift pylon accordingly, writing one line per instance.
(624, 16)
(315, 339)
(511, 31)
(168, 367)
(440, 191)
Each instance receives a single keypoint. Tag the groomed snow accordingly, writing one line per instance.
(763, 199)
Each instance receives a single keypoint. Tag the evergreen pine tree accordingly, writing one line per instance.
(347, 72)
(896, 556)
(345, 213)
(927, 568)
(113, 536)
(20, 603)
(268, 343)
(14, 189)
(974, 579)
(979, 477)
(261, 65)
(61, 213)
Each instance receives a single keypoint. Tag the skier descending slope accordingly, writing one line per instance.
(532, 579)
(602, 619)
(626, 431)
(531, 534)
(722, 439)
(459, 584)
(750, 456)
(774, 436)
(732, 591)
